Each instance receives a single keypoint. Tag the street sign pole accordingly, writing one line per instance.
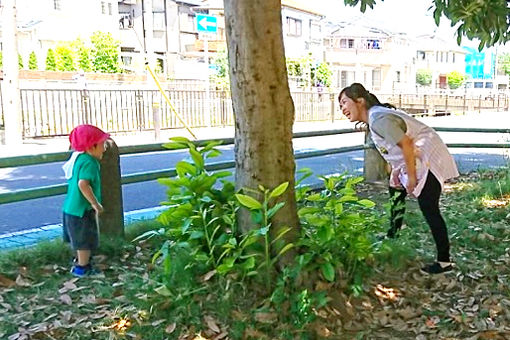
(10, 82)
(207, 26)
(207, 85)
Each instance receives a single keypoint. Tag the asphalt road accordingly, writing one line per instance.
(39, 212)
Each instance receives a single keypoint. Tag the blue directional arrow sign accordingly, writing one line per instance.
(207, 23)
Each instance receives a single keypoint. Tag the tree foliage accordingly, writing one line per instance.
(221, 77)
(455, 79)
(82, 53)
(105, 53)
(64, 57)
(51, 64)
(32, 61)
(424, 77)
(309, 71)
(20, 62)
(504, 63)
(487, 20)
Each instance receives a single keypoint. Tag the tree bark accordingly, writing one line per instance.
(263, 107)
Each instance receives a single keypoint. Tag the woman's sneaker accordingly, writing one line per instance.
(436, 268)
(85, 271)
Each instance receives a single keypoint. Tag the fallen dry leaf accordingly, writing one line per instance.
(66, 299)
(211, 323)
(267, 317)
(6, 282)
(170, 328)
(22, 282)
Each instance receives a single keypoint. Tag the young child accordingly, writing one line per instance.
(83, 201)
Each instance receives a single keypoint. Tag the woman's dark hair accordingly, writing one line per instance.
(356, 91)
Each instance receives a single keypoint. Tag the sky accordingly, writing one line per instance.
(409, 16)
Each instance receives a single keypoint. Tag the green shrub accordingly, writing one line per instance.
(51, 65)
(424, 77)
(32, 61)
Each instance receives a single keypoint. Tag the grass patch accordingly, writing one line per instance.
(39, 299)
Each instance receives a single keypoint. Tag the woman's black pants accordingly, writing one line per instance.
(429, 206)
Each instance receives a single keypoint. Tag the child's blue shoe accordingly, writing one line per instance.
(85, 271)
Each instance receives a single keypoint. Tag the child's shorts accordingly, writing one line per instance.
(81, 232)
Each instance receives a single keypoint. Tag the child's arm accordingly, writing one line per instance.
(87, 192)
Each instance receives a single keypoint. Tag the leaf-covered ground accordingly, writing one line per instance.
(43, 301)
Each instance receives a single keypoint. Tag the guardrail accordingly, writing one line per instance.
(54, 190)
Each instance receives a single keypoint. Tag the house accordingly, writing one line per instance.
(440, 57)
(302, 27)
(359, 52)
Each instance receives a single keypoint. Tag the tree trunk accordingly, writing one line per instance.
(263, 107)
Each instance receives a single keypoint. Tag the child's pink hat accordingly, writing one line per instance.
(83, 137)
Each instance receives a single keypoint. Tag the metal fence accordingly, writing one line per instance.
(54, 112)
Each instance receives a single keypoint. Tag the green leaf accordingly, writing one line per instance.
(248, 201)
(279, 190)
(325, 233)
(314, 197)
(197, 158)
(367, 203)
(196, 235)
(274, 210)
(211, 144)
(263, 231)
(181, 140)
(222, 174)
(348, 199)
(213, 153)
(248, 264)
(285, 249)
(282, 232)
(174, 146)
(163, 290)
(184, 168)
(328, 271)
(186, 225)
(339, 208)
(308, 210)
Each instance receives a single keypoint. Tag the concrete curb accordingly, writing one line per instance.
(31, 237)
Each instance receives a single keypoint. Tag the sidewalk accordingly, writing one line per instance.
(59, 144)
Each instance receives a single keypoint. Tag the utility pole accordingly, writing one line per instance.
(10, 82)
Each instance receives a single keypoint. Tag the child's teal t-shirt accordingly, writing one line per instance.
(85, 167)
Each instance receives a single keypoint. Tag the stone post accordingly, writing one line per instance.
(111, 221)
(375, 168)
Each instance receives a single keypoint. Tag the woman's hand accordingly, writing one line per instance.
(394, 178)
(411, 184)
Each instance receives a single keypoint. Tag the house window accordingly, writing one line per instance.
(159, 21)
(453, 57)
(293, 27)
(315, 31)
(420, 55)
(110, 8)
(376, 79)
(103, 7)
(398, 77)
(126, 20)
(346, 78)
(373, 44)
(56, 5)
(126, 60)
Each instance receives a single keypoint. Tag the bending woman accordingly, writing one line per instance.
(419, 159)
